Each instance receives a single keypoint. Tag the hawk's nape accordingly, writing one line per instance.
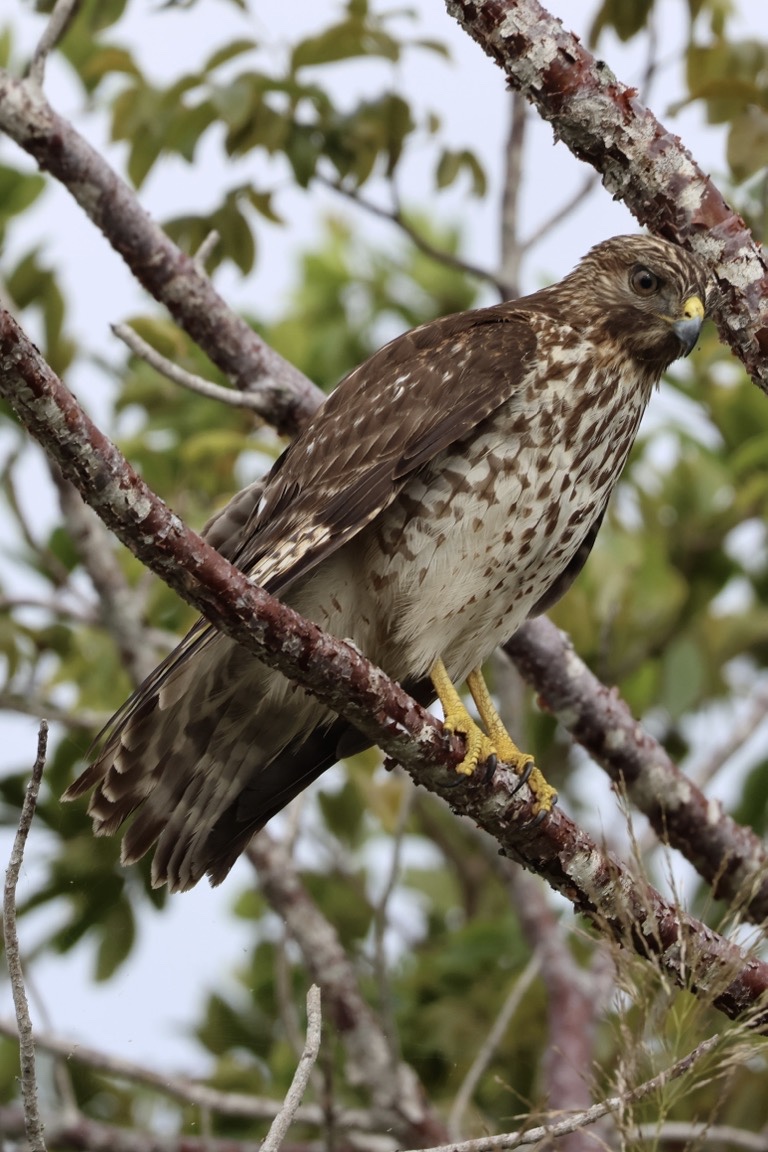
(450, 488)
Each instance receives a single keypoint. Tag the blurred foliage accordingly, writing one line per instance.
(671, 607)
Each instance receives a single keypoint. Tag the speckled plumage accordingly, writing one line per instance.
(447, 490)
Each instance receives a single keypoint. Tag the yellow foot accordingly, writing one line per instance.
(457, 719)
(505, 747)
(496, 742)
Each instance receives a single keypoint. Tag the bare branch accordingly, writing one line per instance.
(381, 918)
(561, 214)
(397, 217)
(33, 1123)
(730, 857)
(295, 1094)
(120, 606)
(692, 1133)
(511, 252)
(739, 734)
(27, 704)
(589, 1115)
(398, 1099)
(574, 1004)
(170, 276)
(603, 123)
(181, 1088)
(54, 607)
(206, 250)
(622, 906)
(82, 1134)
(60, 19)
(186, 379)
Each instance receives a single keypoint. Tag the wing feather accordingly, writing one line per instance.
(419, 394)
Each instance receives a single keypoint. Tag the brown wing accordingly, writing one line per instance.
(409, 401)
(413, 398)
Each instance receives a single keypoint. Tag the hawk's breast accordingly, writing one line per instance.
(472, 542)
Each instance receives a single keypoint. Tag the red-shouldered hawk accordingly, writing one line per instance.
(450, 488)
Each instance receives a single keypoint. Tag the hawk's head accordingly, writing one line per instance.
(645, 293)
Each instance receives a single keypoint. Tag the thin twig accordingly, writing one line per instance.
(189, 380)
(381, 919)
(53, 607)
(397, 217)
(562, 213)
(60, 19)
(511, 251)
(466, 1091)
(284, 1118)
(206, 249)
(202, 1096)
(742, 731)
(121, 607)
(27, 704)
(32, 1119)
(588, 1115)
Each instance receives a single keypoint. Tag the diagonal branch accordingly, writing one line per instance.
(603, 122)
(728, 856)
(621, 905)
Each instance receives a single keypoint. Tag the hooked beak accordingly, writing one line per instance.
(688, 327)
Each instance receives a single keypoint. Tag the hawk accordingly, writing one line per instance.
(449, 488)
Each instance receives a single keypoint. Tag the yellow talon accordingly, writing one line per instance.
(497, 741)
(457, 719)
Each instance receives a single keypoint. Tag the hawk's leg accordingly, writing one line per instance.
(504, 746)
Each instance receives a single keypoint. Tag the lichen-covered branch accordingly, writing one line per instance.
(730, 857)
(598, 885)
(642, 163)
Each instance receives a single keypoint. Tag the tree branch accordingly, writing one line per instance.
(399, 1102)
(547, 1132)
(728, 856)
(250, 1107)
(295, 1094)
(178, 375)
(32, 1121)
(620, 904)
(642, 163)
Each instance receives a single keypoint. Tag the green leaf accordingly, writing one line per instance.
(18, 190)
(229, 52)
(626, 17)
(452, 164)
(748, 143)
(344, 41)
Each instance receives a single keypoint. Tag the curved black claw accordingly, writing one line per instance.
(525, 776)
(540, 817)
(489, 768)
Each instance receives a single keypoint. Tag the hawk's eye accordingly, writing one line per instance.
(644, 282)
